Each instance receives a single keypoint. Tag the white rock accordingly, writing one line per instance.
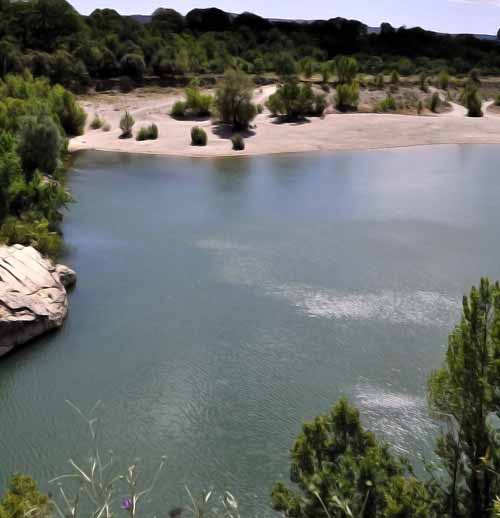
(33, 298)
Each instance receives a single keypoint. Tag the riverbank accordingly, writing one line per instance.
(333, 132)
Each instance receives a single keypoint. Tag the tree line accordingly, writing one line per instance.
(52, 39)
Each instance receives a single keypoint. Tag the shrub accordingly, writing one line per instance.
(197, 103)
(387, 105)
(420, 107)
(198, 136)
(497, 100)
(233, 100)
(133, 66)
(423, 82)
(395, 77)
(148, 133)
(347, 97)
(126, 84)
(294, 101)
(71, 115)
(238, 142)
(347, 69)
(444, 80)
(260, 108)
(96, 123)
(326, 70)
(471, 99)
(380, 81)
(179, 109)
(126, 124)
(40, 145)
(23, 498)
(434, 102)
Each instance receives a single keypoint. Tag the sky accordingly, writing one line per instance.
(454, 16)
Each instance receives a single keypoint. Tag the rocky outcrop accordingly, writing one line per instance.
(33, 297)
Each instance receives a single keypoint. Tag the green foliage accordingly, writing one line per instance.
(148, 133)
(259, 108)
(196, 103)
(497, 100)
(395, 77)
(435, 102)
(293, 101)
(307, 67)
(347, 96)
(444, 80)
(96, 122)
(347, 69)
(179, 109)
(233, 100)
(198, 136)
(463, 395)
(23, 498)
(40, 145)
(326, 70)
(471, 99)
(380, 81)
(341, 470)
(387, 105)
(285, 66)
(238, 142)
(126, 124)
(423, 82)
(132, 65)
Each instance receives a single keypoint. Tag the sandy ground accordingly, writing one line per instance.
(333, 132)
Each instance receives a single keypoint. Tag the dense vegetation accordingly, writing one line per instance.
(51, 39)
(341, 470)
(35, 120)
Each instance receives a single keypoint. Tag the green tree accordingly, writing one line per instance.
(347, 96)
(233, 99)
(294, 101)
(464, 395)
(24, 499)
(471, 99)
(341, 470)
(126, 124)
(347, 69)
(40, 146)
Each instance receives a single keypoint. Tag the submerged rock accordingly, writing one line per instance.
(33, 298)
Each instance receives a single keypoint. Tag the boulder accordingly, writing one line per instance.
(33, 297)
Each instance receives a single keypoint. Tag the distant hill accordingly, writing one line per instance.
(145, 18)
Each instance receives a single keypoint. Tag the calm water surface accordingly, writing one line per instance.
(222, 302)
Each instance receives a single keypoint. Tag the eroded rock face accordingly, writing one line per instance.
(33, 298)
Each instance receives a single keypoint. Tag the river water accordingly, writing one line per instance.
(220, 303)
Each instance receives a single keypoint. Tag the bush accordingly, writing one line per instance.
(23, 498)
(126, 124)
(132, 65)
(198, 136)
(347, 69)
(126, 84)
(444, 80)
(395, 77)
(96, 123)
(387, 105)
(423, 82)
(471, 99)
(233, 100)
(380, 81)
(260, 108)
(197, 103)
(71, 115)
(238, 142)
(148, 133)
(40, 145)
(179, 110)
(294, 101)
(347, 97)
(434, 102)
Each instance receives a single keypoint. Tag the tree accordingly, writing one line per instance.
(126, 124)
(471, 99)
(233, 100)
(294, 101)
(133, 65)
(40, 145)
(464, 395)
(347, 96)
(342, 470)
(24, 499)
(347, 69)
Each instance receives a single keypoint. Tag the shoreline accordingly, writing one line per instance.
(333, 132)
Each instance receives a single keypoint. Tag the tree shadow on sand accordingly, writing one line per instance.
(226, 131)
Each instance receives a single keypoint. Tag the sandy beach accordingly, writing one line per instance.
(334, 131)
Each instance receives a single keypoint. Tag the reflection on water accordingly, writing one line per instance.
(221, 303)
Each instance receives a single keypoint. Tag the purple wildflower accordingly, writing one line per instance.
(127, 504)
